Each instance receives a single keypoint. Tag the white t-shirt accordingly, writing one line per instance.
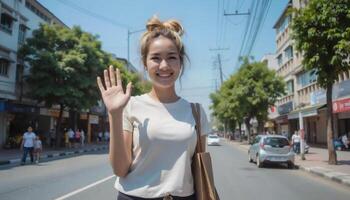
(164, 141)
(295, 138)
(29, 138)
(71, 134)
(37, 144)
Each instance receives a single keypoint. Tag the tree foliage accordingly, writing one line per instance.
(64, 64)
(247, 93)
(322, 33)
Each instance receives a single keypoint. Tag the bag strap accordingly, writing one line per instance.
(196, 112)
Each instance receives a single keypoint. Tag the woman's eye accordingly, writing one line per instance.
(172, 58)
(154, 58)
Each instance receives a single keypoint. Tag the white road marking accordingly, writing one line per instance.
(84, 188)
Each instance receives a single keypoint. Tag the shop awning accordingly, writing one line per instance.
(6, 57)
(308, 111)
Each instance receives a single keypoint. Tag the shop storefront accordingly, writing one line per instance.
(282, 121)
(18, 118)
(342, 109)
(313, 120)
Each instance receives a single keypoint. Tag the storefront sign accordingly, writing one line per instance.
(342, 105)
(285, 108)
(318, 97)
(53, 113)
(19, 108)
(93, 119)
(341, 90)
(84, 116)
(282, 119)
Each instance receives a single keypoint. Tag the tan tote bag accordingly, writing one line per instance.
(201, 165)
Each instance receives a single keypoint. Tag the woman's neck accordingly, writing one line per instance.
(167, 95)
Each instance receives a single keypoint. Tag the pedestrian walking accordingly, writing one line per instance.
(38, 148)
(152, 136)
(82, 137)
(99, 136)
(27, 145)
(66, 138)
(106, 136)
(345, 141)
(296, 142)
(71, 137)
(77, 137)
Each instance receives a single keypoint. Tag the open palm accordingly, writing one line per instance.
(113, 94)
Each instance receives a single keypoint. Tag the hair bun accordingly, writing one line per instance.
(174, 25)
(154, 23)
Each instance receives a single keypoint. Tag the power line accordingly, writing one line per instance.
(92, 14)
(253, 27)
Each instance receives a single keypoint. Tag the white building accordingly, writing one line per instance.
(304, 95)
(18, 19)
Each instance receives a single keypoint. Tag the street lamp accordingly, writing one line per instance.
(129, 33)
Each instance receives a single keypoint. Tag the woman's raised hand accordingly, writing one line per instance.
(113, 94)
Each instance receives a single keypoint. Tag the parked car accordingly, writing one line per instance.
(213, 140)
(271, 149)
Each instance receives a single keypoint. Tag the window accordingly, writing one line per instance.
(284, 24)
(21, 34)
(6, 22)
(289, 52)
(290, 87)
(4, 65)
(279, 60)
(37, 12)
(307, 78)
(276, 142)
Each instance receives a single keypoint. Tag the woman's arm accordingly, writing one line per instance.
(120, 144)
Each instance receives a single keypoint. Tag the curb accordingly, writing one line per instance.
(53, 155)
(338, 177)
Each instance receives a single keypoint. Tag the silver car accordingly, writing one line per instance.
(213, 140)
(271, 149)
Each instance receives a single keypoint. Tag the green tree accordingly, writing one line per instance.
(64, 66)
(248, 94)
(322, 33)
(257, 89)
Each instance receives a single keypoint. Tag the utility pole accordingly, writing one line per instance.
(221, 81)
(220, 69)
(219, 61)
(129, 33)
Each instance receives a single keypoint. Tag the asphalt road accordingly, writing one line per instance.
(89, 177)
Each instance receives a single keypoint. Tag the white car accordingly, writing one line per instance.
(213, 140)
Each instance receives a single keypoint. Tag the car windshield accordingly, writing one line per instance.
(276, 142)
(213, 136)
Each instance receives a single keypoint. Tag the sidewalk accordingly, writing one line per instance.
(316, 162)
(9, 156)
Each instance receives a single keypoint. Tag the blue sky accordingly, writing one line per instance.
(205, 29)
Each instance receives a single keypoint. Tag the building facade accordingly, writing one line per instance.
(17, 111)
(304, 95)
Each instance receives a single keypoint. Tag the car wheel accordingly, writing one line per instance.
(290, 165)
(258, 162)
(250, 158)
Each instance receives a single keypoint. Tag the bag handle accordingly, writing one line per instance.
(196, 112)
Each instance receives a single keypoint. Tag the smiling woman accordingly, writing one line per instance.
(153, 137)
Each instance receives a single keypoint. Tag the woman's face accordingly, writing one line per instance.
(163, 62)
